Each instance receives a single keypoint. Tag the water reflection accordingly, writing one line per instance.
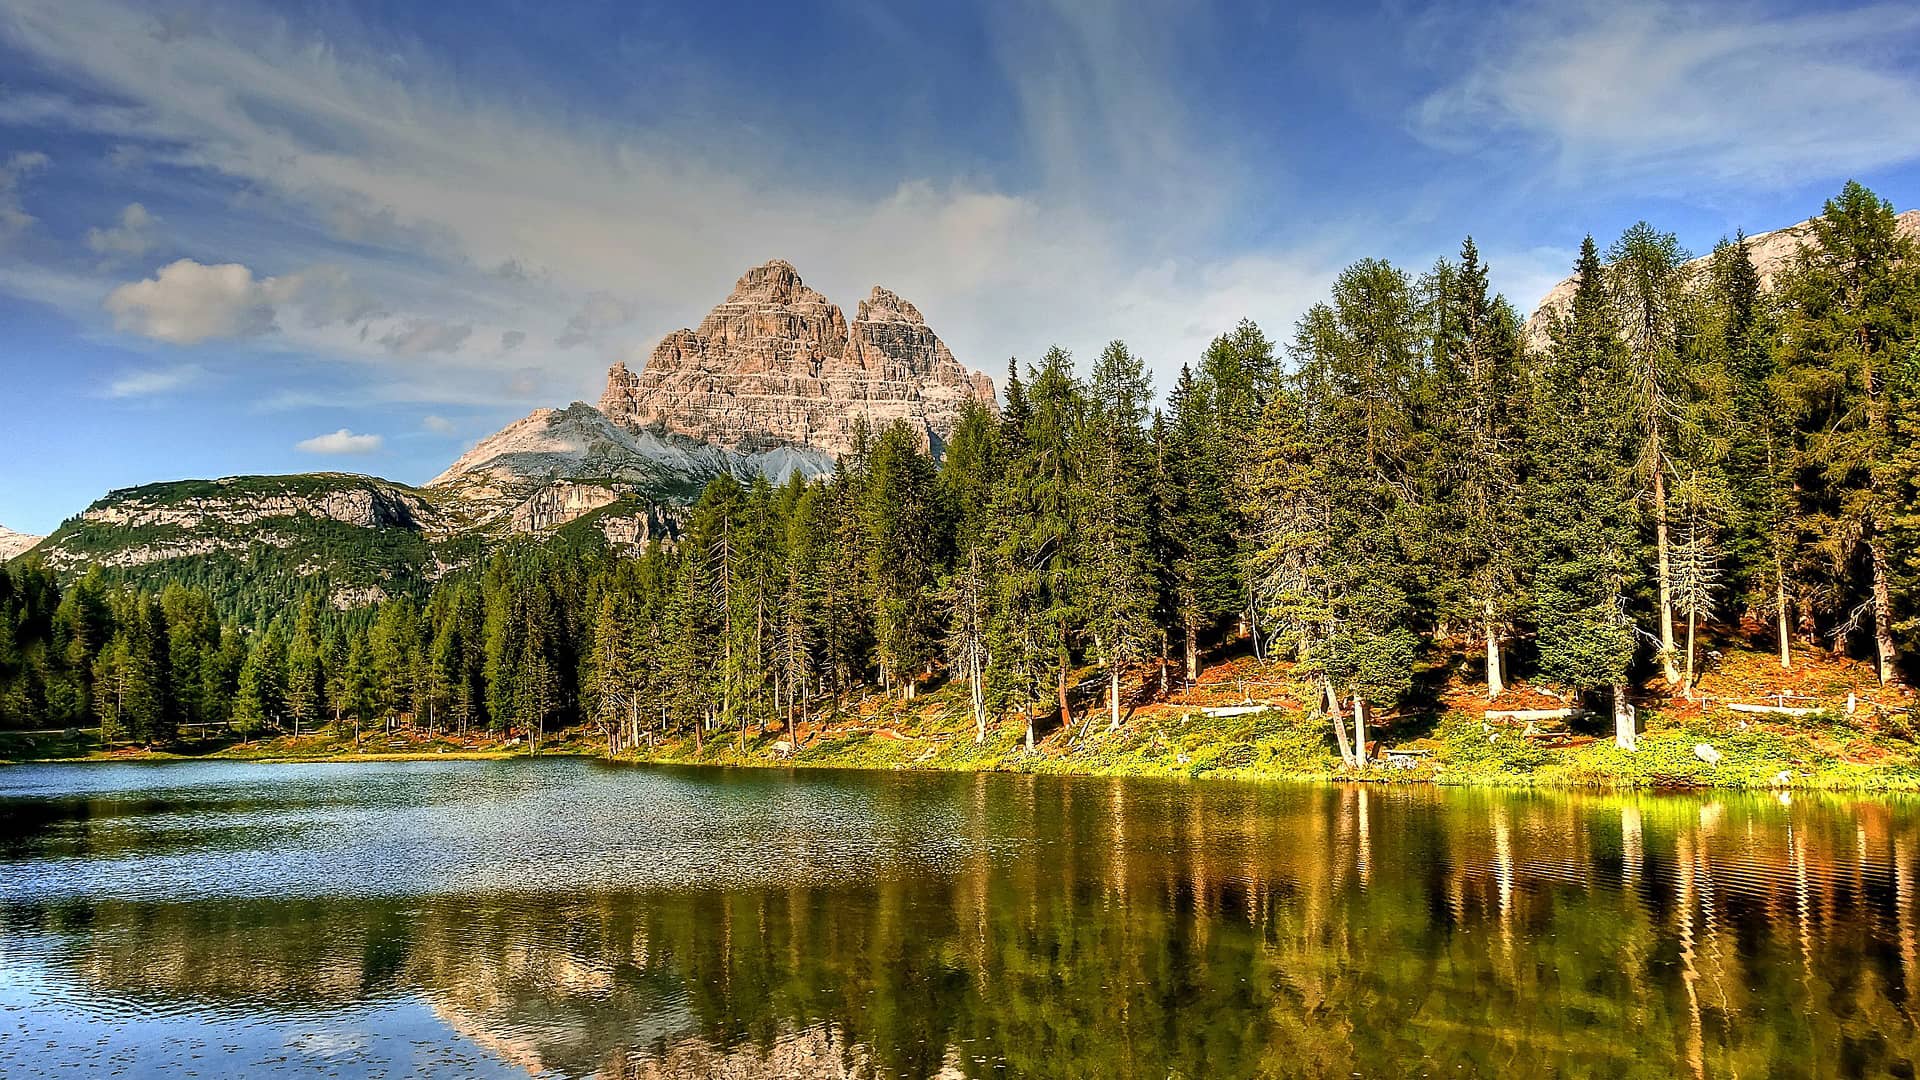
(574, 920)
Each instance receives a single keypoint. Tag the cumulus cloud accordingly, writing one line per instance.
(188, 302)
(133, 236)
(1682, 93)
(340, 442)
(419, 337)
(14, 218)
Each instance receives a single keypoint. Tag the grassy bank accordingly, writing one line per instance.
(1818, 753)
(1445, 736)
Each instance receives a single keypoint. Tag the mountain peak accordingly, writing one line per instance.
(777, 364)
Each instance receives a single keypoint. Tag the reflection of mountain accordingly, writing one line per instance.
(1116, 929)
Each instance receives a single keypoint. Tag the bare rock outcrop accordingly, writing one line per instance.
(15, 543)
(776, 364)
(1773, 254)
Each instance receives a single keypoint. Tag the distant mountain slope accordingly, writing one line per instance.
(360, 537)
(15, 543)
(1772, 253)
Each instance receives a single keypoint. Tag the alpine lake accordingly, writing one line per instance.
(569, 918)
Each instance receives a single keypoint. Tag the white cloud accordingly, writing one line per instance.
(14, 218)
(1682, 94)
(133, 236)
(150, 382)
(512, 339)
(188, 302)
(439, 425)
(340, 442)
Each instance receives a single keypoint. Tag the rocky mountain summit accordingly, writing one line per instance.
(1772, 253)
(777, 364)
(15, 543)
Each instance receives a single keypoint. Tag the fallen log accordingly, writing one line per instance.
(1234, 710)
(1772, 710)
(1532, 714)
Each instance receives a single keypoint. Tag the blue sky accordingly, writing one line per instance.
(246, 238)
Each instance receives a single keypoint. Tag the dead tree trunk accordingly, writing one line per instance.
(1882, 611)
(1624, 734)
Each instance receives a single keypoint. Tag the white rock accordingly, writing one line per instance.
(1706, 753)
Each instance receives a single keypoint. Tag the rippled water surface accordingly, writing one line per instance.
(564, 918)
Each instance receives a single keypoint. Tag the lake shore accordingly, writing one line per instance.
(1271, 746)
(1243, 721)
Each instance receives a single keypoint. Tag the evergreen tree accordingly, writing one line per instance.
(1475, 421)
(1648, 283)
(262, 700)
(1850, 306)
(1360, 360)
(1585, 438)
(1199, 521)
(1120, 572)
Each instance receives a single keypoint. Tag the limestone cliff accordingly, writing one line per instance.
(776, 364)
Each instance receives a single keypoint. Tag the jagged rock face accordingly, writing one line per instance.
(1773, 254)
(558, 503)
(777, 364)
(15, 543)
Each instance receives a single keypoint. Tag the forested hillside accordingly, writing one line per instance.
(1404, 478)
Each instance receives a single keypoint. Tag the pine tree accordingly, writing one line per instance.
(1764, 541)
(1475, 422)
(1119, 576)
(306, 671)
(1850, 308)
(1648, 283)
(1048, 538)
(1360, 359)
(1584, 438)
(262, 700)
(1199, 521)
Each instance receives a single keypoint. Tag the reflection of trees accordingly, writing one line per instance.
(1153, 930)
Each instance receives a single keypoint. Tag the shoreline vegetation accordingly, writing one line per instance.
(1666, 535)
(1241, 722)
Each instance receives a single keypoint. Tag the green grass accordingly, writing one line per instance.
(1823, 753)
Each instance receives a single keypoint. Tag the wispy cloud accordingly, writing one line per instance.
(545, 231)
(134, 384)
(340, 442)
(14, 218)
(1680, 96)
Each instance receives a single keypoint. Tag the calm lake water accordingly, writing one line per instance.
(567, 918)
